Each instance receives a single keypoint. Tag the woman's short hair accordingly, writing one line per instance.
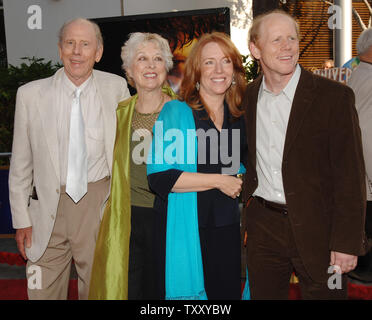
(137, 39)
(192, 73)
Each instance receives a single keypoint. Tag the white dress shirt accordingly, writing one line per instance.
(94, 128)
(272, 120)
(361, 83)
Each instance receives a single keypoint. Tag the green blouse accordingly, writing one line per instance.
(141, 133)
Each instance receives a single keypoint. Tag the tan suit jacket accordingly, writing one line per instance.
(35, 152)
(322, 168)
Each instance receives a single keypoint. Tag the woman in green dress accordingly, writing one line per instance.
(124, 264)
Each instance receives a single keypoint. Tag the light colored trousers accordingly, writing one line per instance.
(74, 237)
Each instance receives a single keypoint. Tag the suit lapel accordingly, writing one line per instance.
(108, 114)
(48, 95)
(301, 103)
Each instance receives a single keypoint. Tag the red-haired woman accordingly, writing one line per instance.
(197, 191)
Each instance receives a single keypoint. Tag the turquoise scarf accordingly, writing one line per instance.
(246, 292)
(183, 263)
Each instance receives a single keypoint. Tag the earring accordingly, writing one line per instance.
(233, 82)
(197, 85)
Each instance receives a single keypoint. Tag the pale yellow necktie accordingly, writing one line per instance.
(77, 171)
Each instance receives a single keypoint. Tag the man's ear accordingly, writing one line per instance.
(99, 53)
(254, 50)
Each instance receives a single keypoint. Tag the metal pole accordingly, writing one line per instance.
(5, 154)
(122, 7)
(342, 37)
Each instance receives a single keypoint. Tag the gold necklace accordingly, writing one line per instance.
(155, 110)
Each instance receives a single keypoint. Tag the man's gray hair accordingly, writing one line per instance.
(364, 42)
(95, 26)
(136, 39)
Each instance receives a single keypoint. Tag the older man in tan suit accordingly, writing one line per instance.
(64, 133)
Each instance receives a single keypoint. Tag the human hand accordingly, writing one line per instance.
(346, 262)
(230, 185)
(24, 235)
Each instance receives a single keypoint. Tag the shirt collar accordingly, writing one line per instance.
(71, 88)
(290, 89)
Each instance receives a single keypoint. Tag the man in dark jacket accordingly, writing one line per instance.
(305, 174)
